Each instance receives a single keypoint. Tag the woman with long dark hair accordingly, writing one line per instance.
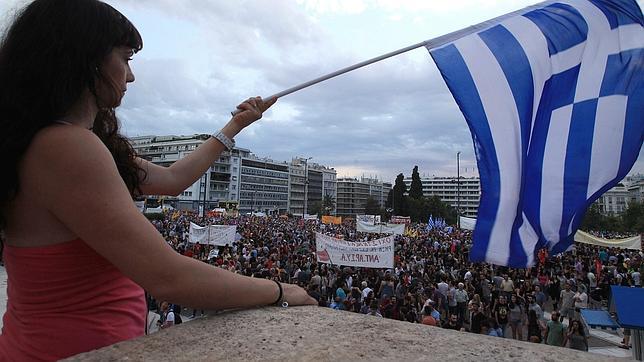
(516, 317)
(576, 337)
(78, 253)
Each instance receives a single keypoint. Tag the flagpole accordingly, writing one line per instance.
(430, 44)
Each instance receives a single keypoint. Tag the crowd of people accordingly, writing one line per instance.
(432, 282)
(612, 234)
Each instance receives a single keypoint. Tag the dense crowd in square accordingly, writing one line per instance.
(432, 282)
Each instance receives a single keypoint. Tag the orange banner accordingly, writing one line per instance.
(332, 219)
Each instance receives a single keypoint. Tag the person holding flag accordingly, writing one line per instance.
(77, 251)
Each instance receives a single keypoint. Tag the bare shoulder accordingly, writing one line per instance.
(61, 158)
(65, 143)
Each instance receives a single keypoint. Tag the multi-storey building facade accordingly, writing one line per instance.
(468, 195)
(312, 181)
(329, 189)
(297, 180)
(636, 191)
(263, 185)
(378, 190)
(241, 178)
(329, 183)
(616, 200)
(352, 194)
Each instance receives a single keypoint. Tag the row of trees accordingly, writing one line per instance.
(415, 204)
(325, 207)
(632, 220)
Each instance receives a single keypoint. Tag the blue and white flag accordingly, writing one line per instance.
(430, 223)
(554, 99)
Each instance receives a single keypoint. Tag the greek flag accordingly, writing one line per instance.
(554, 99)
(430, 223)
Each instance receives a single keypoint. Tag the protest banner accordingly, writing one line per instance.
(365, 227)
(400, 220)
(220, 235)
(366, 254)
(326, 219)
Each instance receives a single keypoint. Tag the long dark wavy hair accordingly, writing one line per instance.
(49, 56)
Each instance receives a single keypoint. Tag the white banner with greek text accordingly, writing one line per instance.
(367, 254)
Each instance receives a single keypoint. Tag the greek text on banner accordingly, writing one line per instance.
(368, 254)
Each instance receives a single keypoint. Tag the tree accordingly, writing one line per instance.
(416, 187)
(434, 206)
(371, 207)
(328, 205)
(315, 208)
(398, 199)
(593, 220)
(633, 217)
(417, 209)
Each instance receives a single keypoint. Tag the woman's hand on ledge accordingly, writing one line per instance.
(296, 295)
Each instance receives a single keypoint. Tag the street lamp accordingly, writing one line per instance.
(306, 183)
(205, 192)
(458, 189)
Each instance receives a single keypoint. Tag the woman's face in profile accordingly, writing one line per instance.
(116, 73)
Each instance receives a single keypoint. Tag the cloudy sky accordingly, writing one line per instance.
(202, 57)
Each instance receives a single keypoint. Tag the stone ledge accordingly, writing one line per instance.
(322, 334)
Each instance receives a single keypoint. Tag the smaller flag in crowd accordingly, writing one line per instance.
(436, 224)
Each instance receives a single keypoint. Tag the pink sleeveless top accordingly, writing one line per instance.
(65, 299)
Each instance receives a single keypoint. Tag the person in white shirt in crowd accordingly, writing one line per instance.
(167, 316)
(316, 280)
(443, 288)
(637, 278)
(581, 301)
(365, 290)
(349, 279)
(592, 280)
(468, 276)
(461, 301)
(567, 301)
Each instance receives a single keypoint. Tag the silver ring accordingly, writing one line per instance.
(284, 304)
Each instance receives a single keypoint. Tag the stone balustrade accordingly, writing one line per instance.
(322, 334)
